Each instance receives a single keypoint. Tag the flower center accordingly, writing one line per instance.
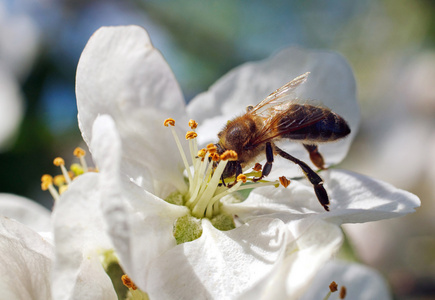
(58, 184)
(206, 184)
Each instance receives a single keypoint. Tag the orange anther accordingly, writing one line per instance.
(58, 161)
(128, 282)
(343, 292)
(193, 124)
(215, 157)
(46, 178)
(79, 152)
(284, 181)
(229, 155)
(333, 287)
(242, 177)
(201, 153)
(257, 167)
(191, 135)
(168, 122)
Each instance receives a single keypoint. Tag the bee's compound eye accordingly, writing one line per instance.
(249, 108)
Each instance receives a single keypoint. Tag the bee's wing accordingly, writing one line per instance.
(279, 99)
(294, 117)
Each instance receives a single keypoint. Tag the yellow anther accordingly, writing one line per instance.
(168, 122)
(285, 182)
(79, 152)
(343, 292)
(128, 282)
(58, 161)
(59, 180)
(202, 153)
(257, 167)
(193, 124)
(242, 177)
(45, 185)
(211, 148)
(47, 178)
(229, 155)
(333, 287)
(76, 170)
(191, 135)
(215, 157)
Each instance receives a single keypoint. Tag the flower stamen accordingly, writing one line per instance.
(63, 181)
(80, 153)
(333, 287)
(171, 123)
(59, 162)
(47, 184)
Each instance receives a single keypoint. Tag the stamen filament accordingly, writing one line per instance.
(258, 184)
(183, 155)
(198, 178)
(215, 199)
(204, 198)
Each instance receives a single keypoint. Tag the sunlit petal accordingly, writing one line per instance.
(121, 74)
(219, 265)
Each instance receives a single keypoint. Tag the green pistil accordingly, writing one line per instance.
(175, 198)
(223, 222)
(187, 229)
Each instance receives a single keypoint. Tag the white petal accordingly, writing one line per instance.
(314, 242)
(139, 223)
(121, 74)
(361, 282)
(25, 211)
(79, 238)
(331, 82)
(220, 264)
(25, 259)
(354, 198)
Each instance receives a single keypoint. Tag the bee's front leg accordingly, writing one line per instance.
(269, 160)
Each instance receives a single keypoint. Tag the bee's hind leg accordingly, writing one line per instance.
(312, 176)
(315, 156)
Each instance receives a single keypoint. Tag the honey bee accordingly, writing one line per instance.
(282, 116)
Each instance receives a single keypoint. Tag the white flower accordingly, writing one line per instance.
(72, 264)
(124, 92)
(81, 243)
(26, 261)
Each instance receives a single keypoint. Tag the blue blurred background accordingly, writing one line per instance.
(389, 43)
